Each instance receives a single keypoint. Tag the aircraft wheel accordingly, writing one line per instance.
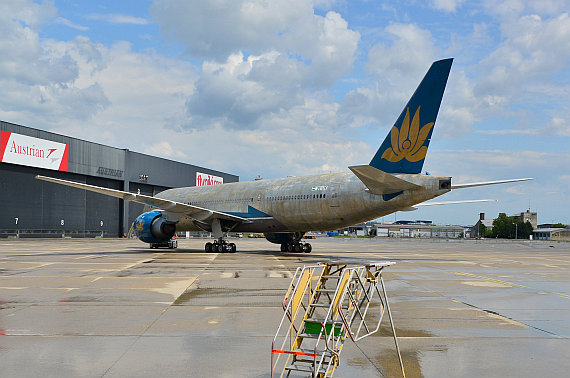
(308, 248)
(232, 248)
(283, 247)
(290, 247)
(298, 247)
(221, 248)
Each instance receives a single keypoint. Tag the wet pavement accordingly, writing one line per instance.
(93, 308)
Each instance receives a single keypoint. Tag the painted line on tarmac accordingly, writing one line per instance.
(507, 283)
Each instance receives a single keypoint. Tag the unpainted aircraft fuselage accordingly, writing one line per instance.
(317, 202)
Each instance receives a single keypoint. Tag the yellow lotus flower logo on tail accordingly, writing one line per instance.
(408, 142)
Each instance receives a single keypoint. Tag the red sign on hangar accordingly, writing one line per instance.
(33, 152)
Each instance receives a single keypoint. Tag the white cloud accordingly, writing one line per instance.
(481, 165)
(534, 49)
(514, 8)
(558, 126)
(30, 14)
(216, 30)
(242, 90)
(262, 58)
(447, 5)
(118, 19)
(68, 23)
(39, 78)
(105, 94)
(411, 49)
(165, 149)
(508, 132)
(395, 70)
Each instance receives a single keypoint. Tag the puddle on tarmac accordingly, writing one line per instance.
(386, 331)
(80, 298)
(220, 294)
(387, 359)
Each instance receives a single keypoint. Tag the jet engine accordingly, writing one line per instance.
(152, 227)
(283, 237)
(290, 241)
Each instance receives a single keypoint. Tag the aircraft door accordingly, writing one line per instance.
(333, 193)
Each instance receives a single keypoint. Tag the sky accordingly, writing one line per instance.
(281, 88)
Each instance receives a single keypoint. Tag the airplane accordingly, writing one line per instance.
(283, 209)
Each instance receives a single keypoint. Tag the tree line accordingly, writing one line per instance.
(508, 228)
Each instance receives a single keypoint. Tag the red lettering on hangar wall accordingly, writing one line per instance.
(204, 179)
(33, 152)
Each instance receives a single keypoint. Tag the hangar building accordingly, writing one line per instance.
(35, 208)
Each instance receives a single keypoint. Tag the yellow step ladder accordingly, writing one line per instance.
(325, 304)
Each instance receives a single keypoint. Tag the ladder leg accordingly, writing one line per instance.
(392, 325)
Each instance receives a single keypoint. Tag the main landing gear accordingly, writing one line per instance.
(296, 247)
(220, 246)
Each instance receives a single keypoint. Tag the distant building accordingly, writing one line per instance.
(477, 230)
(419, 230)
(555, 234)
(409, 229)
(549, 225)
(528, 216)
(362, 229)
(34, 208)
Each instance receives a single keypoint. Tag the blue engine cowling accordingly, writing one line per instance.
(283, 237)
(152, 227)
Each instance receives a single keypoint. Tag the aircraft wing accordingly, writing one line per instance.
(194, 212)
(483, 183)
(380, 182)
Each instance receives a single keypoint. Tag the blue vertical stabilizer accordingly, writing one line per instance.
(405, 148)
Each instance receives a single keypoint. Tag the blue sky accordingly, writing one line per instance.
(295, 87)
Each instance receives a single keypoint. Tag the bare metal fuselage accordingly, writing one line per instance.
(316, 203)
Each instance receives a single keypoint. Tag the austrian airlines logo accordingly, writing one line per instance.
(33, 152)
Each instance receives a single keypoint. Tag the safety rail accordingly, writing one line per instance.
(324, 304)
(47, 233)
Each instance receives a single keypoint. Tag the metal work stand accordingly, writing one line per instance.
(325, 304)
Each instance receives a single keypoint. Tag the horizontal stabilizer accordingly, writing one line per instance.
(415, 207)
(193, 212)
(380, 182)
(454, 202)
(483, 183)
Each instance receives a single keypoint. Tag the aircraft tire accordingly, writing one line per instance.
(289, 247)
(221, 248)
(284, 247)
(208, 247)
(298, 248)
(308, 248)
(232, 248)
